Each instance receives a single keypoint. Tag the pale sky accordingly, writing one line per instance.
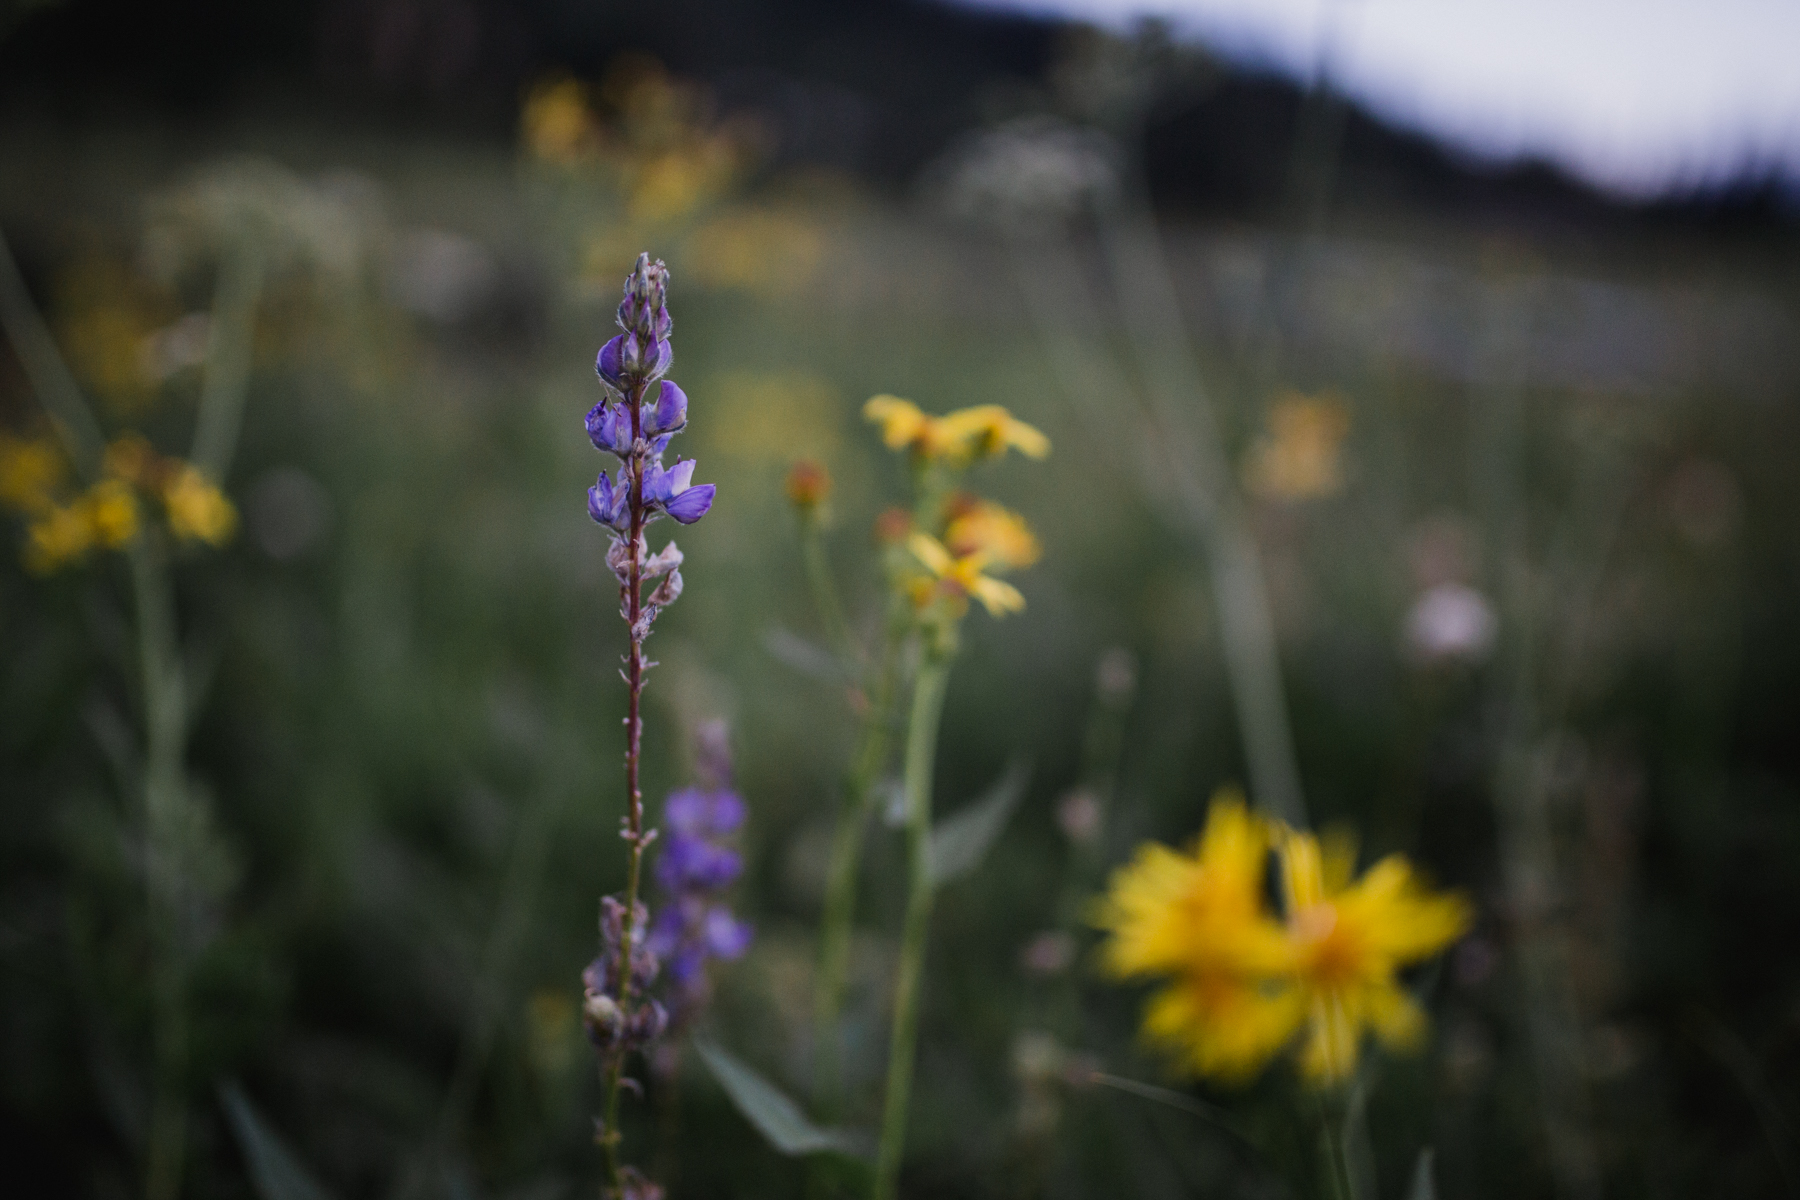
(1637, 96)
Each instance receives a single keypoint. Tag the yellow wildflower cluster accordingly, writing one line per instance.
(958, 438)
(1300, 457)
(62, 530)
(956, 578)
(643, 125)
(975, 538)
(1244, 984)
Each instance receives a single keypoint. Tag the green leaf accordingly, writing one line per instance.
(274, 1170)
(768, 1108)
(959, 843)
(1423, 1187)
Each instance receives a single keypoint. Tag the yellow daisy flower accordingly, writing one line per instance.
(198, 511)
(905, 427)
(988, 431)
(1348, 941)
(111, 512)
(983, 527)
(1200, 917)
(59, 536)
(963, 576)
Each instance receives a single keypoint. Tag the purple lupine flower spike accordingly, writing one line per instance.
(636, 418)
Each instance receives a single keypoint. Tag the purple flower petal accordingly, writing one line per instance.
(681, 476)
(669, 412)
(596, 425)
(727, 812)
(685, 811)
(659, 356)
(726, 936)
(692, 504)
(600, 500)
(610, 362)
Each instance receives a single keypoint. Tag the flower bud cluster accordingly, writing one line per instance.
(615, 1024)
(697, 864)
(949, 550)
(635, 422)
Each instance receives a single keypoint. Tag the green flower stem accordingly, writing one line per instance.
(921, 758)
(825, 595)
(1341, 1125)
(165, 824)
(838, 919)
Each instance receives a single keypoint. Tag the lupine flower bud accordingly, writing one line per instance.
(608, 505)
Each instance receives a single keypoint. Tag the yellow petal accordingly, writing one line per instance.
(900, 420)
(929, 551)
(999, 598)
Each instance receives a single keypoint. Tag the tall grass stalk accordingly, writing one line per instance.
(921, 760)
(1188, 471)
(165, 706)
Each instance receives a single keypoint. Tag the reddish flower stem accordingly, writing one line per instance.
(634, 800)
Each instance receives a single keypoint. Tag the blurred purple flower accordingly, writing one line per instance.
(696, 865)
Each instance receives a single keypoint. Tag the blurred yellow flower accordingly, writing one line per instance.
(905, 427)
(1300, 457)
(766, 253)
(105, 516)
(673, 183)
(1200, 917)
(985, 431)
(1349, 939)
(961, 577)
(112, 512)
(198, 511)
(1243, 984)
(983, 527)
(556, 122)
(31, 469)
(988, 431)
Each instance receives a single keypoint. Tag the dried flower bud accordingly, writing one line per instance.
(893, 526)
(808, 485)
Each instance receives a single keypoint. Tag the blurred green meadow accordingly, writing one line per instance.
(1524, 502)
